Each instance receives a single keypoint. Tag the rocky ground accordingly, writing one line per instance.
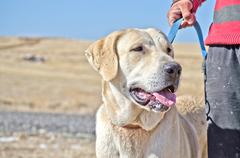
(46, 145)
(46, 135)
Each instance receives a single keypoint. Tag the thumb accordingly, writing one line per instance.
(190, 22)
(186, 12)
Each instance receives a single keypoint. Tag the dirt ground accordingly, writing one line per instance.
(21, 145)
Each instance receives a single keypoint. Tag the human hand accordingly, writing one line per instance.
(182, 9)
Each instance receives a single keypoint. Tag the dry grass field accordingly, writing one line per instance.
(65, 82)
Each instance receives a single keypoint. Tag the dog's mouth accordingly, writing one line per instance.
(159, 101)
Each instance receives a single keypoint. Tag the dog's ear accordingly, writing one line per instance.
(102, 55)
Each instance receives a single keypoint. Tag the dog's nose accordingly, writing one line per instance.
(173, 69)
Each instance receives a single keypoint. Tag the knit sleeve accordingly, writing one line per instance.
(196, 4)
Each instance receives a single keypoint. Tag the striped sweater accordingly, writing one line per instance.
(225, 29)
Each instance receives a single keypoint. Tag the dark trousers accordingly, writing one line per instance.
(223, 101)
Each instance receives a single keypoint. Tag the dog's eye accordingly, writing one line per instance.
(137, 49)
(169, 50)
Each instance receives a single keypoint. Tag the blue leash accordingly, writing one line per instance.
(176, 26)
(171, 36)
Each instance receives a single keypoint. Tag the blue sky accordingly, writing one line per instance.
(91, 19)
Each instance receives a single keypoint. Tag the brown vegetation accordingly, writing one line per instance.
(65, 82)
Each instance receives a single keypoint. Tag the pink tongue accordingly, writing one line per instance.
(166, 98)
(143, 95)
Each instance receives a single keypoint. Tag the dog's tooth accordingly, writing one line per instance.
(158, 106)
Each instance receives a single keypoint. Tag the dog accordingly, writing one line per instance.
(139, 117)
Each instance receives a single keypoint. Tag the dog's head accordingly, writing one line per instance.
(140, 65)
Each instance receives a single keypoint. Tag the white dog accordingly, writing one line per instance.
(138, 117)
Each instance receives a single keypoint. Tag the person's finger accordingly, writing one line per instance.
(192, 19)
(184, 24)
(173, 18)
(190, 22)
(173, 15)
(188, 16)
(182, 9)
(186, 11)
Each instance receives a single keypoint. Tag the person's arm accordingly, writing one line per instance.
(185, 9)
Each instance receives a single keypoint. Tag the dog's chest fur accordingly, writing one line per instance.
(139, 143)
(130, 142)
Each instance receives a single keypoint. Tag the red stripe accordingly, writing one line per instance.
(223, 40)
(223, 3)
(224, 33)
(226, 27)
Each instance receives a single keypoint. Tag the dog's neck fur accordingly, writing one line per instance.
(148, 121)
(129, 113)
(139, 137)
